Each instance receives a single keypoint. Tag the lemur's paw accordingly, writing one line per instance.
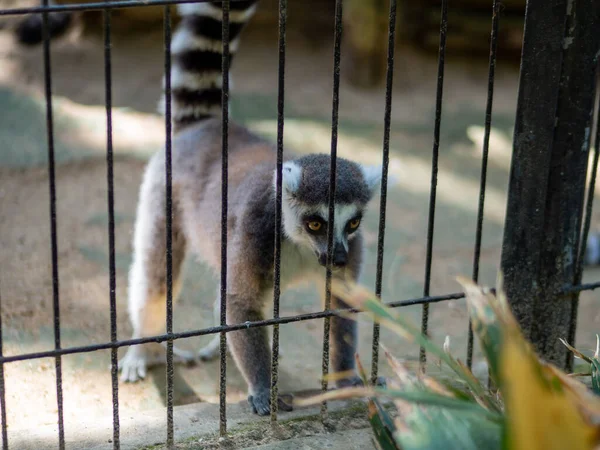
(356, 381)
(133, 365)
(260, 402)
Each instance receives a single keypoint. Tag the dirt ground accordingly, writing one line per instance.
(80, 139)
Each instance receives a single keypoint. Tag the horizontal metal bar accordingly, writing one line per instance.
(214, 330)
(581, 287)
(117, 4)
(259, 323)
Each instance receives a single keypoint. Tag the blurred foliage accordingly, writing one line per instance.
(535, 405)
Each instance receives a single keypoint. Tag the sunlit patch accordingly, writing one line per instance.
(500, 145)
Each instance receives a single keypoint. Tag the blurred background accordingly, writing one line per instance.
(78, 88)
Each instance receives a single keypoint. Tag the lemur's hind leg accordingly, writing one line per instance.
(147, 277)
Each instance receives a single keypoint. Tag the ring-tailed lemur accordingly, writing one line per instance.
(196, 104)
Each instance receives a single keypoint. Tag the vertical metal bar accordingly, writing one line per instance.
(484, 163)
(169, 223)
(111, 228)
(434, 172)
(224, 187)
(588, 218)
(384, 179)
(53, 227)
(2, 389)
(332, 180)
(278, 199)
(547, 179)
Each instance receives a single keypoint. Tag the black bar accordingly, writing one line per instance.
(384, 180)
(278, 200)
(228, 328)
(484, 163)
(332, 181)
(169, 223)
(53, 231)
(117, 4)
(588, 219)
(576, 102)
(581, 288)
(256, 324)
(555, 105)
(434, 172)
(224, 187)
(547, 180)
(2, 389)
(536, 115)
(114, 360)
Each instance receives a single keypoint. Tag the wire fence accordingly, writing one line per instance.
(567, 288)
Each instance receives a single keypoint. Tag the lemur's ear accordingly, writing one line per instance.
(372, 177)
(291, 176)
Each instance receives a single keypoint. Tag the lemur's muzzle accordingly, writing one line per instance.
(340, 256)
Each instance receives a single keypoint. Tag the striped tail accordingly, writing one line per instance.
(196, 55)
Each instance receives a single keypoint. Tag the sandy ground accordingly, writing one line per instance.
(78, 87)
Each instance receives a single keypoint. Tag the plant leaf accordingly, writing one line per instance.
(587, 403)
(595, 375)
(540, 412)
(361, 298)
(423, 397)
(434, 428)
(576, 352)
(487, 322)
(382, 425)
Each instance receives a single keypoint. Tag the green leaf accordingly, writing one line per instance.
(365, 300)
(596, 376)
(435, 428)
(595, 368)
(382, 425)
(425, 397)
(486, 318)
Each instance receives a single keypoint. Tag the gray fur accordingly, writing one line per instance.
(350, 183)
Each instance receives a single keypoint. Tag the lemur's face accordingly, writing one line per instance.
(305, 204)
(310, 228)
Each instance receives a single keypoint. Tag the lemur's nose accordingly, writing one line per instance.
(340, 256)
(340, 261)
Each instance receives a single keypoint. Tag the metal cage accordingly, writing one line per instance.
(542, 252)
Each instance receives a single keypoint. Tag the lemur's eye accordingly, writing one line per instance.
(354, 224)
(314, 225)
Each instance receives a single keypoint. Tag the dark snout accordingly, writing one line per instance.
(340, 256)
